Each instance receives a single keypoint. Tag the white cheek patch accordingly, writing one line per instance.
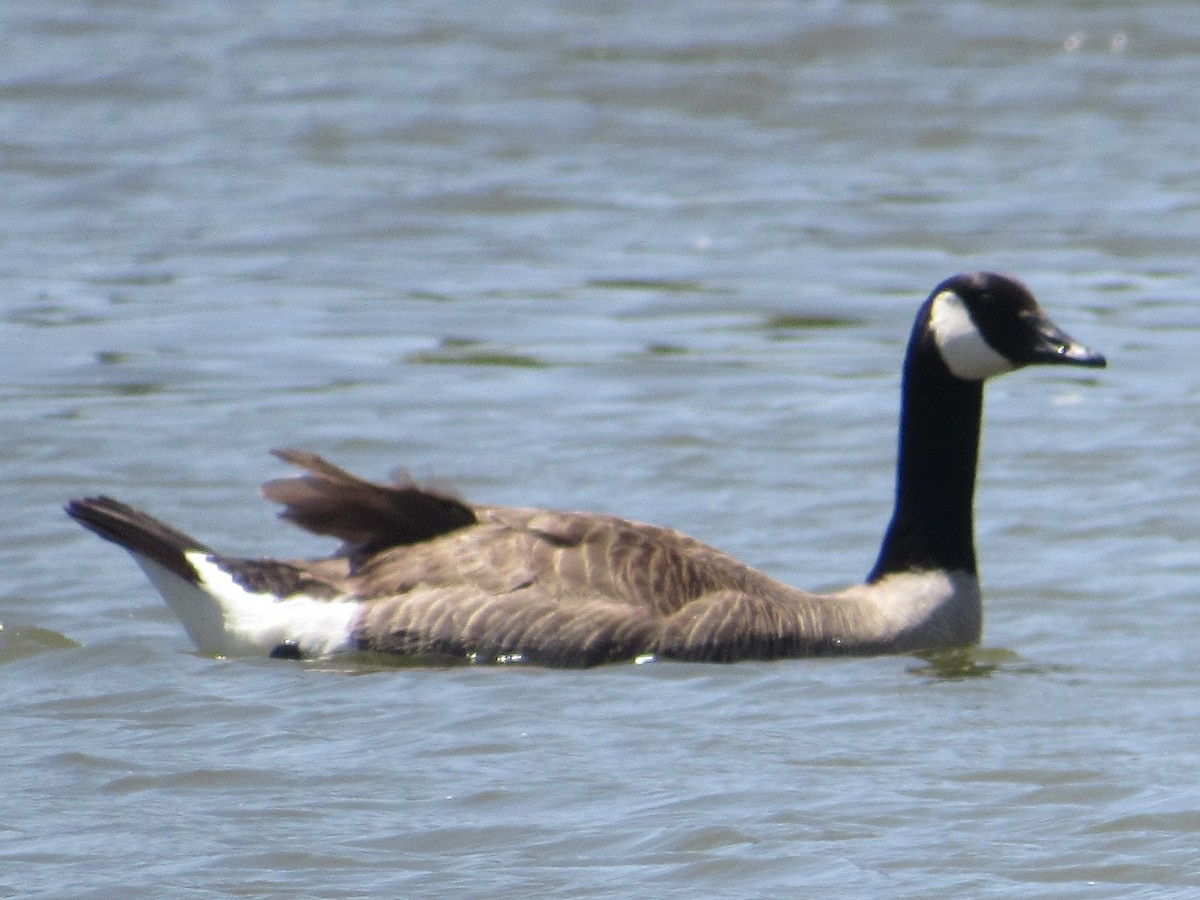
(966, 354)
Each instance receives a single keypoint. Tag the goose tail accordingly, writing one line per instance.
(228, 606)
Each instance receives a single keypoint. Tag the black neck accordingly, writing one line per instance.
(932, 525)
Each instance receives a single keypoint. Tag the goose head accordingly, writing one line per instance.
(984, 324)
(971, 328)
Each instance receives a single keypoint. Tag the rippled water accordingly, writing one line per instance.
(655, 259)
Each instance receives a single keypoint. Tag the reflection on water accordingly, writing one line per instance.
(971, 662)
(17, 643)
(468, 352)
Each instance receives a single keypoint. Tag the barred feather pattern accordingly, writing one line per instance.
(491, 583)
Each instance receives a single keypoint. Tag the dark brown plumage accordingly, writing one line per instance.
(494, 582)
(367, 517)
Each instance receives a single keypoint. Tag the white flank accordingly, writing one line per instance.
(966, 354)
(224, 619)
(945, 606)
(908, 597)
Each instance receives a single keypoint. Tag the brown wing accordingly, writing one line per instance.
(555, 588)
(399, 536)
(566, 557)
(563, 589)
(367, 516)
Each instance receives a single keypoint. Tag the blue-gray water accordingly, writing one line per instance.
(654, 259)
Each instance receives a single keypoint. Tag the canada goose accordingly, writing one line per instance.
(427, 576)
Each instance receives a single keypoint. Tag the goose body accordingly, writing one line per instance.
(432, 578)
